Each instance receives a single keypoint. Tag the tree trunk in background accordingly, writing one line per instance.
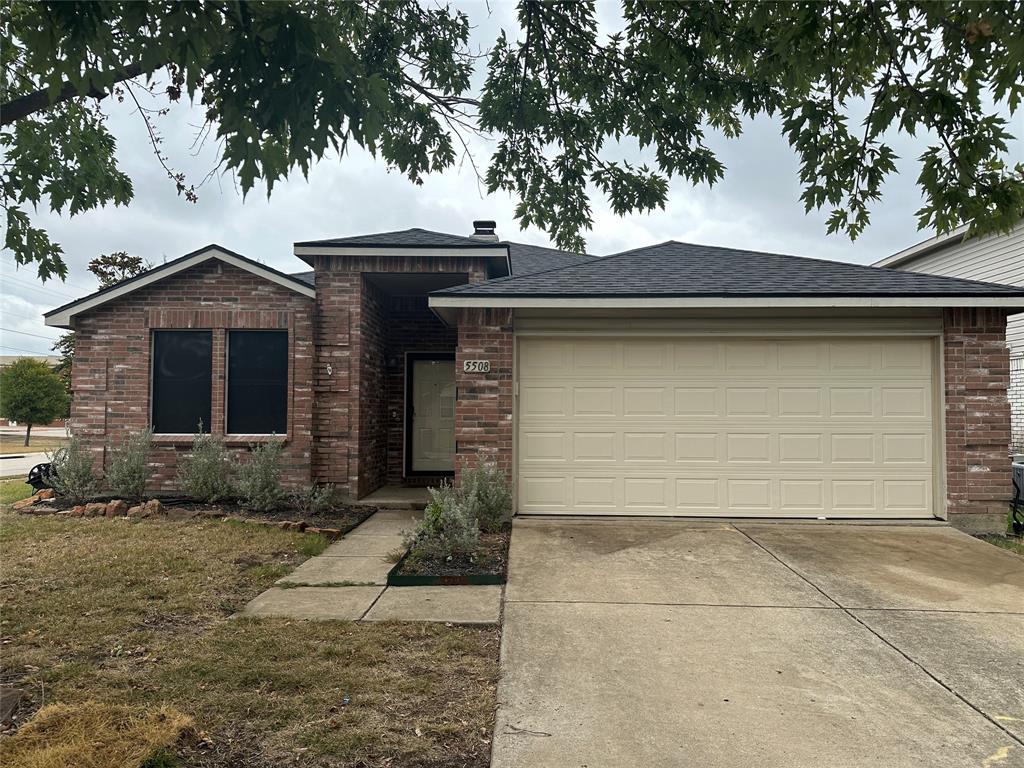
(28, 434)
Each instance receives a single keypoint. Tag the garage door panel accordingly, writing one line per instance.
(836, 427)
(697, 401)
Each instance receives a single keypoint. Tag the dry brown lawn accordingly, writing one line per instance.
(16, 443)
(138, 614)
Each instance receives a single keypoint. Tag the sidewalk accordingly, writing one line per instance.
(348, 581)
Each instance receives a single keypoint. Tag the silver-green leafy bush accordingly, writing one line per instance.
(72, 473)
(130, 470)
(206, 473)
(448, 529)
(315, 499)
(259, 478)
(486, 493)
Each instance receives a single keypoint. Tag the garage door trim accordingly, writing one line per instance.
(831, 331)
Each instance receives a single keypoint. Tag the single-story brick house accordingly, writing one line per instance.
(672, 379)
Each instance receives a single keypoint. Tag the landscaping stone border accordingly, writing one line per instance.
(396, 579)
(42, 504)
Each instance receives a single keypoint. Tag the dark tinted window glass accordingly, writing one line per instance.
(257, 382)
(182, 375)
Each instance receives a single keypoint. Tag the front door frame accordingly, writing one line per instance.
(410, 357)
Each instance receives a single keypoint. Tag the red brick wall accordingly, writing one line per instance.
(373, 426)
(352, 407)
(484, 404)
(977, 374)
(110, 376)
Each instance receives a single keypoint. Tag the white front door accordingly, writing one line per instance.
(432, 444)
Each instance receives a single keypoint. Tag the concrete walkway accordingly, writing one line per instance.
(348, 582)
(672, 643)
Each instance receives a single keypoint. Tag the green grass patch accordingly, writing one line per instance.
(14, 490)
(1014, 544)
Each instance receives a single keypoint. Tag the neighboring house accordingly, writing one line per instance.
(995, 259)
(670, 380)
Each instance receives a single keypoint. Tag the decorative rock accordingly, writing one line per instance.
(331, 533)
(77, 511)
(95, 509)
(116, 508)
(25, 502)
(45, 493)
(152, 507)
(135, 511)
(214, 514)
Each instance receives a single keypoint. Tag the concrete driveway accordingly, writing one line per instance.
(670, 643)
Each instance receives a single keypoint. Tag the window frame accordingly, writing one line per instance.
(154, 332)
(285, 434)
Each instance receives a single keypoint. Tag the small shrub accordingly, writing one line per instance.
(207, 473)
(487, 494)
(315, 499)
(259, 479)
(71, 472)
(448, 529)
(129, 466)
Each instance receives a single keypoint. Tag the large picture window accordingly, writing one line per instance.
(257, 385)
(182, 377)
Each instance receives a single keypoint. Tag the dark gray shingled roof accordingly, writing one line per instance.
(525, 258)
(405, 238)
(684, 269)
(309, 278)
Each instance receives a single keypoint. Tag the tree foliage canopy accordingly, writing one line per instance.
(574, 112)
(30, 393)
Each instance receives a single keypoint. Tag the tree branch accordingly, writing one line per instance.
(23, 106)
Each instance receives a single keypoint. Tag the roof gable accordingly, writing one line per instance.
(61, 316)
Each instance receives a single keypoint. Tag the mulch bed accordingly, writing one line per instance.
(345, 517)
(492, 560)
(342, 519)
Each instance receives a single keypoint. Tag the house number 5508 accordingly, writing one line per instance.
(476, 366)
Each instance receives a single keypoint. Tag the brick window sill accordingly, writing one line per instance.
(230, 440)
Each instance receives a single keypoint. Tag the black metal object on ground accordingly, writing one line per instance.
(38, 477)
(1017, 515)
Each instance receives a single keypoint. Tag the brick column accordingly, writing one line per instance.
(977, 374)
(336, 377)
(484, 402)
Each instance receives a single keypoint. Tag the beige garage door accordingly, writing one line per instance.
(738, 427)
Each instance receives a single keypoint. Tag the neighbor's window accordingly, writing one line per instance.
(257, 382)
(182, 377)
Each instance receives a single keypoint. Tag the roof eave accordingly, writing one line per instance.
(443, 304)
(308, 251)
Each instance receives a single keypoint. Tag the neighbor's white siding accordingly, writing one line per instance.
(994, 259)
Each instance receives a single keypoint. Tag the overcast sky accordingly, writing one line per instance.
(757, 206)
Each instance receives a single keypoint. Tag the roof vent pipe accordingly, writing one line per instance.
(484, 230)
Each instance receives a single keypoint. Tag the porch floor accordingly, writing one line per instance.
(397, 497)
